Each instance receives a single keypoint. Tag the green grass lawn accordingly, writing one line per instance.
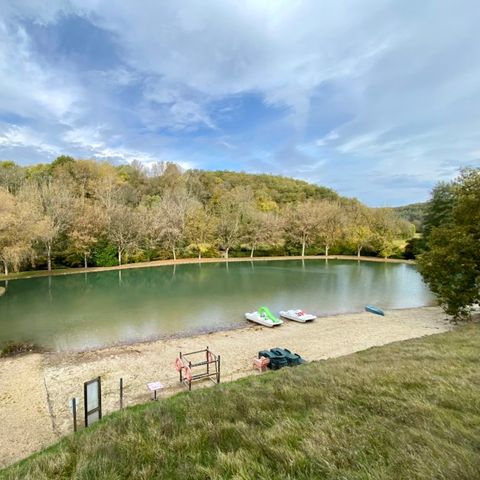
(410, 410)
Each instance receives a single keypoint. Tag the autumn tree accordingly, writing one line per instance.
(11, 176)
(19, 228)
(200, 230)
(358, 227)
(169, 219)
(330, 221)
(87, 226)
(302, 223)
(232, 211)
(107, 188)
(386, 229)
(164, 177)
(262, 228)
(54, 202)
(123, 225)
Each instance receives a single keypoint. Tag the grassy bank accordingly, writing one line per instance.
(409, 410)
(180, 261)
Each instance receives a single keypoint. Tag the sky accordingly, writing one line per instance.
(377, 99)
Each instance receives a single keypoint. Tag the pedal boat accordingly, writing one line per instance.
(264, 317)
(298, 316)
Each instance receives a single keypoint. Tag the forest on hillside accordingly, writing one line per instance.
(414, 213)
(88, 213)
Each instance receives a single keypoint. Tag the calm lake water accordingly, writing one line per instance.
(96, 309)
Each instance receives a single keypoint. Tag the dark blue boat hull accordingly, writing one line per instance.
(375, 310)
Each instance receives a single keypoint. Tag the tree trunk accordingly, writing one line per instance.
(85, 262)
(5, 267)
(226, 252)
(119, 256)
(49, 257)
(359, 251)
(326, 250)
(174, 254)
(199, 254)
(251, 252)
(303, 249)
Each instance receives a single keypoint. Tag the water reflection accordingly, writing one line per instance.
(96, 309)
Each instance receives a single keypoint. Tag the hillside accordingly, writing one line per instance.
(162, 176)
(408, 410)
(281, 190)
(413, 213)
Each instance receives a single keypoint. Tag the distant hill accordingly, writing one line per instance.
(414, 213)
(281, 190)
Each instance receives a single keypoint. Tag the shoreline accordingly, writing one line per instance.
(37, 388)
(246, 325)
(193, 261)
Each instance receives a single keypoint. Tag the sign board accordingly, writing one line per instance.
(92, 397)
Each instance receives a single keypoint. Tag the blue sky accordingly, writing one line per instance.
(377, 99)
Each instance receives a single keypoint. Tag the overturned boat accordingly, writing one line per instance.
(298, 315)
(374, 309)
(264, 317)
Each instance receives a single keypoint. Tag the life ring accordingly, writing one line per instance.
(178, 364)
(187, 373)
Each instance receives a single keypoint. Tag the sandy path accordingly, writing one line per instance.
(25, 424)
(138, 364)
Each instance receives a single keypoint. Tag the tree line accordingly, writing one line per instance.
(449, 252)
(90, 213)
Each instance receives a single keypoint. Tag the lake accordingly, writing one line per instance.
(82, 311)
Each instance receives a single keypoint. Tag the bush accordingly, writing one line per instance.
(105, 255)
(413, 248)
(10, 349)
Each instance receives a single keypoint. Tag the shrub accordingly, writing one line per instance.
(10, 349)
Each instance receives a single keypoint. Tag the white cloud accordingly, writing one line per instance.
(28, 88)
(325, 140)
(24, 137)
(371, 87)
(87, 137)
(172, 108)
(39, 11)
(284, 50)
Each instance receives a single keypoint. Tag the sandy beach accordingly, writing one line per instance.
(35, 389)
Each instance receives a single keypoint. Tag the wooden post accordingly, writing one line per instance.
(74, 411)
(218, 370)
(181, 379)
(121, 393)
(208, 362)
(190, 381)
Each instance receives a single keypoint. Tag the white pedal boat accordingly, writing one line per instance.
(263, 319)
(298, 315)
